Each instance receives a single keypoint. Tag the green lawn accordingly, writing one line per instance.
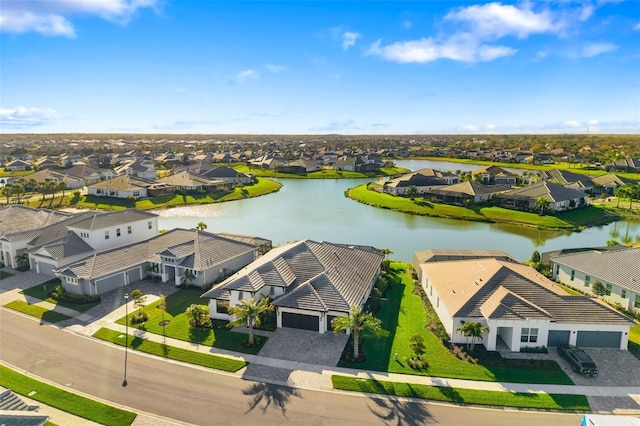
(179, 328)
(36, 311)
(321, 174)
(171, 352)
(634, 340)
(569, 290)
(42, 292)
(403, 315)
(4, 274)
(572, 220)
(464, 396)
(63, 400)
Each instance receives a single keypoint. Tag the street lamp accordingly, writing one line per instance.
(126, 336)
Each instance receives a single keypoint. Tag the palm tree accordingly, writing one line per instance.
(360, 323)
(386, 251)
(542, 203)
(23, 261)
(196, 313)
(620, 192)
(7, 191)
(62, 186)
(18, 190)
(472, 330)
(248, 312)
(42, 187)
(187, 277)
(201, 226)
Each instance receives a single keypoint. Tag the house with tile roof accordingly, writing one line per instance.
(423, 180)
(309, 282)
(121, 187)
(189, 181)
(559, 197)
(19, 225)
(568, 179)
(466, 192)
(170, 256)
(617, 270)
(228, 174)
(494, 175)
(607, 184)
(520, 307)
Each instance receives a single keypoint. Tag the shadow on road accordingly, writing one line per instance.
(264, 395)
(400, 413)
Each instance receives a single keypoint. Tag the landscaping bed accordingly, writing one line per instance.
(45, 291)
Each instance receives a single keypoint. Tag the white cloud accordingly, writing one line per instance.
(592, 122)
(274, 68)
(22, 117)
(349, 39)
(490, 126)
(245, 75)
(460, 48)
(595, 49)
(573, 123)
(52, 18)
(470, 128)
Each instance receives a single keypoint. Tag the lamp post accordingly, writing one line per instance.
(126, 337)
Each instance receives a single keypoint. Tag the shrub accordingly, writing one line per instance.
(61, 295)
(535, 350)
(417, 363)
(139, 318)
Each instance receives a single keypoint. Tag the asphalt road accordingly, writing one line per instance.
(200, 396)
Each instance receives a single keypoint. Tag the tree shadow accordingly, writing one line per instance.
(269, 395)
(199, 334)
(401, 413)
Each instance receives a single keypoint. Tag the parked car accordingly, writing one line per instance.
(579, 360)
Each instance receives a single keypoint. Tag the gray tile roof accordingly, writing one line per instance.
(211, 250)
(66, 246)
(470, 188)
(317, 276)
(620, 267)
(57, 230)
(100, 220)
(550, 191)
(123, 183)
(19, 222)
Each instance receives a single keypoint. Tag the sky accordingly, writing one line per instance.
(327, 67)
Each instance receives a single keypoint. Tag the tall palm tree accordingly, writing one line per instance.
(197, 312)
(187, 277)
(23, 261)
(248, 312)
(360, 323)
(619, 192)
(62, 186)
(542, 203)
(201, 226)
(472, 330)
(18, 190)
(7, 191)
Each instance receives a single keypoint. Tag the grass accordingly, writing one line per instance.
(36, 311)
(42, 291)
(403, 314)
(179, 328)
(634, 340)
(321, 174)
(4, 274)
(571, 220)
(171, 352)
(569, 290)
(64, 400)
(464, 396)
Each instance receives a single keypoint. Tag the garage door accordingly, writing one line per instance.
(108, 284)
(599, 339)
(46, 269)
(303, 322)
(558, 337)
(134, 275)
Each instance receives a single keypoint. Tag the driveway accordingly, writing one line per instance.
(305, 346)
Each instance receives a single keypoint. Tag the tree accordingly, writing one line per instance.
(201, 226)
(542, 203)
(472, 330)
(7, 192)
(360, 323)
(599, 289)
(417, 345)
(619, 192)
(138, 301)
(386, 251)
(248, 313)
(18, 190)
(43, 189)
(412, 191)
(23, 261)
(535, 257)
(196, 312)
(187, 277)
(62, 186)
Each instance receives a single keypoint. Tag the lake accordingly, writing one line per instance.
(317, 209)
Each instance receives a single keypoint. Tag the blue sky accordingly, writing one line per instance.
(419, 67)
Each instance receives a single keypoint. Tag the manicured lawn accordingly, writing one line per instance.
(572, 220)
(4, 274)
(36, 311)
(634, 340)
(321, 174)
(42, 292)
(464, 396)
(171, 352)
(403, 314)
(63, 400)
(179, 328)
(569, 290)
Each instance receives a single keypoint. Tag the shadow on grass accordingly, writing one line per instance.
(400, 413)
(199, 335)
(270, 395)
(634, 348)
(450, 394)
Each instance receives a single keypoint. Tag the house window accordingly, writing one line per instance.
(149, 225)
(117, 232)
(587, 281)
(136, 193)
(573, 274)
(557, 268)
(222, 306)
(438, 302)
(637, 302)
(106, 235)
(240, 295)
(529, 335)
(623, 294)
(129, 229)
(607, 290)
(272, 291)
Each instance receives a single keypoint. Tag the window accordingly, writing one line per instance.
(272, 291)
(222, 306)
(240, 295)
(149, 225)
(106, 235)
(117, 232)
(573, 274)
(129, 229)
(587, 281)
(529, 335)
(136, 193)
(557, 268)
(608, 290)
(637, 302)
(623, 294)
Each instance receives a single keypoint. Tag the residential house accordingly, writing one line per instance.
(121, 187)
(494, 175)
(422, 180)
(299, 166)
(628, 165)
(45, 163)
(17, 166)
(446, 255)
(139, 168)
(464, 193)
(68, 160)
(228, 174)
(607, 184)
(182, 256)
(47, 175)
(568, 179)
(519, 306)
(559, 197)
(89, 174)
(188, 181)
(617, 270)
(309, 282)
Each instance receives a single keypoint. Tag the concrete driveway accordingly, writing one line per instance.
(305, 346)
